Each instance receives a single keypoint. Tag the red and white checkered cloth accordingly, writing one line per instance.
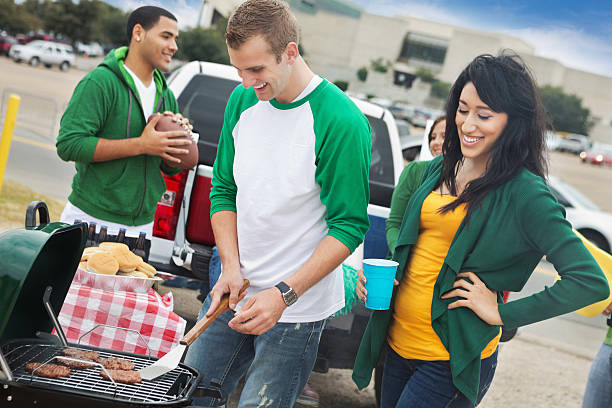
(148, 313)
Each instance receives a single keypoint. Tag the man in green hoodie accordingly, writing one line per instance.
(104, 130)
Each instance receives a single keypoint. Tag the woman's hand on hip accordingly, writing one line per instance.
(475, 296)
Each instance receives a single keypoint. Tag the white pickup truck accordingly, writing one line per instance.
(182, 236)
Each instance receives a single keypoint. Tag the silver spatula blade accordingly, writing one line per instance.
(165, 364)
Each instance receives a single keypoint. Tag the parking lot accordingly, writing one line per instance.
(535, 372)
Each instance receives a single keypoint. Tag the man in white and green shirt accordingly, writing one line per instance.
(288, 205)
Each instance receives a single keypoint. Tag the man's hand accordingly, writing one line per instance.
(177, 117)
(476, 296)
(230, 282)
(163, 144)
(260, 313)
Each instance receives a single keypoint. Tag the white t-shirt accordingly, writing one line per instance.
(146, 93)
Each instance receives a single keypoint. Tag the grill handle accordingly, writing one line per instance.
(5, 367)
(43, 212)
(203, 323)
(58, 328)
(117, 327)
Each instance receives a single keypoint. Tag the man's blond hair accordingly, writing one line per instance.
(271, 19)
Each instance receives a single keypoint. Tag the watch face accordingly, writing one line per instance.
(290, 297)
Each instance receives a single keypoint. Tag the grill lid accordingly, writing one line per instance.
(31, 259)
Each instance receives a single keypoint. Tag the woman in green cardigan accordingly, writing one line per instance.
(410, 180)
(478, 225)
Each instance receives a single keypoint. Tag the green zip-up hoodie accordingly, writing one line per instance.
(106, 104)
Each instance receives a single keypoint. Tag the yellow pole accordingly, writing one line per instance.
(7, 133)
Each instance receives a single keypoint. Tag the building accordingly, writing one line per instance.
(339, 38)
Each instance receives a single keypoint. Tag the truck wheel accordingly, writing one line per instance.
(47, 65)
(34, 61)
(597, 239)
(64, 66)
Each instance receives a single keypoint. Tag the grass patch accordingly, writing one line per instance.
(14, 200)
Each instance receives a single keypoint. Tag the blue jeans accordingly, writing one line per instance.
(277, 363)
(598, 393)
(427, 384)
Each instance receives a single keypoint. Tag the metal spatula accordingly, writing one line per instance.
(172, 359)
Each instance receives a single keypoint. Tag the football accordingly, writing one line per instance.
(188, 160)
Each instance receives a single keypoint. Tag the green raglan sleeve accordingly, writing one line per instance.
(543, 225)
(409, 181)
(223, 190)
(342, 150)
(172, 106)
(85, 115)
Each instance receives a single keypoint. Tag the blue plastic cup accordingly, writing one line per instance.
(379, 274)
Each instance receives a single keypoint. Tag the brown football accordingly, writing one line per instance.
(188, 160)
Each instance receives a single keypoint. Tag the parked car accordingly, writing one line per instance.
(44, 52)
(182, 235)
(92, 49)
(599, 153)
(410, 142)
(6, 43)
(583, 214)
(573, 143)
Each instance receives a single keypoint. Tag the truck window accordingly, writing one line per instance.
(381, 168)
(203, 102)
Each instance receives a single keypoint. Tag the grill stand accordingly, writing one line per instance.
(6, 370)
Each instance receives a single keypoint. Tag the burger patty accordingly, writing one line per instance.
(79, 365)
(48, 370)
(123, 376)
(88, 355)
(115, 363)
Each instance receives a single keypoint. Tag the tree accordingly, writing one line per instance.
(380, 65)
(440, 89)
(426, 75)
(565, 111)
(16, 18)
(343, 85)
(362, 74)
(203, 44)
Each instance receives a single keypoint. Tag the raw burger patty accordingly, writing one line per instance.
(115, 363)
(123, 376)
(49, 370)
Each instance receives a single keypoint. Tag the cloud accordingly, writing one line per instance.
(570, 46)
(185, 13)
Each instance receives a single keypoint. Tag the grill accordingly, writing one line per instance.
(170, 388)
(36, 268)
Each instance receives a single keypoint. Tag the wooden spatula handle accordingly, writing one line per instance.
(203, 323)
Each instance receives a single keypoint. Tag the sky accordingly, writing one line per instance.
(577, 33)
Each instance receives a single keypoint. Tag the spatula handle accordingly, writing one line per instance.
(203, 323)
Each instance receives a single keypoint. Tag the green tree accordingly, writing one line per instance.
(440, 89)
(565, 111)
(16, 18)
(343, 85)
(380, 65)
(425, 75)
(362, 74)
(203, 44)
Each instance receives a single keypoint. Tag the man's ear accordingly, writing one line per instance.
(292, 53)
(137, 33)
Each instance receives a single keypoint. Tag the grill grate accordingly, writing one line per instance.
(165, 388)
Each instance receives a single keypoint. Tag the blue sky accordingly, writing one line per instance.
(577, 33)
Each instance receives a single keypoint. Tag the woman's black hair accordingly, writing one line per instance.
(505, 84)
(147, 17)
(431, 129)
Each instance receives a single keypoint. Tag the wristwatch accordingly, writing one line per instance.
(289, 295)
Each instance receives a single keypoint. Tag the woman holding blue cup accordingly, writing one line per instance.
(478, 225)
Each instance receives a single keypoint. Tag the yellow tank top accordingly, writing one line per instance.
(410, 333)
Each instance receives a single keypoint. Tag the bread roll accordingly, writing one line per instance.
(127, 260)
(103, 263)
(110, 245)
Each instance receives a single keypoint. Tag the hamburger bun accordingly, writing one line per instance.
(89, 251)
(110, 245)
(102, 263)
(83, 265)
(167, 124)
(126, 259)
(146, 268)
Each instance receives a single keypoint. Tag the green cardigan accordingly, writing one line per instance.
(408, 182)
(517, 223)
